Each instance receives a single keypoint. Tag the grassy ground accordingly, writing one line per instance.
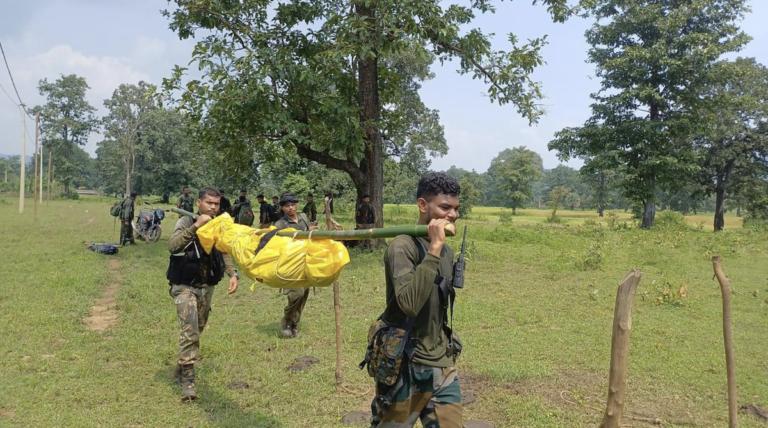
(535, 318)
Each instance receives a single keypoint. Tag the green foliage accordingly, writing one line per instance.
(512, 172)
(671, 221)
(592, 257)
(556, 197)
(298, 185)
(470, 193)
(311, 79)
(652, 57)
(506, 218)
(664, 293)
(66, 121)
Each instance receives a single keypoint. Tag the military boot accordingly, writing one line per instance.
(188, 391)
(177, 373)
(285, 327)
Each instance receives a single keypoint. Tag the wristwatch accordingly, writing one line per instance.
(234, 275)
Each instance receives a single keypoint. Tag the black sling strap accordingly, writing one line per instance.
(447, 292)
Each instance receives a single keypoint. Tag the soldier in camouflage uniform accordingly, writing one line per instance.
(430, 391)
(310, 209)
(126, 216)
(185, 201)
(192, 276)
(297, 297)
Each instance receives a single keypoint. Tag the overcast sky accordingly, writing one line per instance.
(121, 41)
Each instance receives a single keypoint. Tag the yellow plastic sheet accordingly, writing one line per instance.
(284, 262)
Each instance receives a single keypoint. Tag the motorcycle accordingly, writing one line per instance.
(147, 224)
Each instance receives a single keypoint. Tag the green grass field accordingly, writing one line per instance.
(535, 318)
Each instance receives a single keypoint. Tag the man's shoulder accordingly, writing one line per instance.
(183, 223)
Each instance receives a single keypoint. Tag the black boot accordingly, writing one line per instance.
(188, 391)
(177, 373)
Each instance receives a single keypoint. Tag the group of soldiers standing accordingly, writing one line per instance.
(427, 385)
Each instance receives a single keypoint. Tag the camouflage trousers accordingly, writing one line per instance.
(431, 394)
(193, 305)
(126, 233)
(368, 244)
(297, 298)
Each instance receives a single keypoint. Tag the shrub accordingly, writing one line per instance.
(671, 220)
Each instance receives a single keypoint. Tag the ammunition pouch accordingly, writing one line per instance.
(184, 268)
(389, 350)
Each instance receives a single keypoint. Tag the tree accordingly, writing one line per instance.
(653, 56)
(735, 141)
(472, 185)
(297, 184)
(319, 79)
(66, 121)
(513, 171)
(127, 110)
(557, 197)
(164, 163)
(400, 183)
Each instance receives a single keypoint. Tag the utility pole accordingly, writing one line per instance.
(41, 173)
(23, 158)
(37, 131)
(50, 172)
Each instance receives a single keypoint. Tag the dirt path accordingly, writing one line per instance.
(103, 312)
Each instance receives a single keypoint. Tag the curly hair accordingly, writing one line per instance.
(435, 183)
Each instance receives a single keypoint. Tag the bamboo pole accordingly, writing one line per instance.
(622, 326)
(350, 235)
(336, 304)
(725, 289)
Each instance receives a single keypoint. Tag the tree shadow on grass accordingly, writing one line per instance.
(221, 411)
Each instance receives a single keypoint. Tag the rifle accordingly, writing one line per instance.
(458, 267)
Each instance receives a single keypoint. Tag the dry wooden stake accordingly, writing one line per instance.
(622, 326)
(336, 304)
(725, 289)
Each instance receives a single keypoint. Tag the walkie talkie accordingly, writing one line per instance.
(458, 267)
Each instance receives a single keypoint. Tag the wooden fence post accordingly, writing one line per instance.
(622, 326)
(725, 290)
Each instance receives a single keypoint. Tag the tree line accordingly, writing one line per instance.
(324, 97)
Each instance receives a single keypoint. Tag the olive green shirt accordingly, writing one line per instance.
(285, 223)
(412, 292)
(184, 233)
(311, 211)
(186, 203)
(127, 209)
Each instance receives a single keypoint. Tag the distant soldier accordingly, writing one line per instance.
(185, 201)
(242, 211)
(419, 277)
(225, 206)
(192, 275)
(126, 215)
(265, 212)
(365, 219)
(277, 213)
(297, 297)
(310, 209)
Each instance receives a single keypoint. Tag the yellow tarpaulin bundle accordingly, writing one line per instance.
(284, 262)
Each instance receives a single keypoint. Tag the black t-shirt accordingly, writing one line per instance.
(225, 206)
(264, 212)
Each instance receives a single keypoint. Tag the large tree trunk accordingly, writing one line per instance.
(649, 205)
(372, 165)
(601, 196)
(721, 182)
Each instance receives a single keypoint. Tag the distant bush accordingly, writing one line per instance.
(506, 218)
(671, 220)
(73, 196)
(757, 224)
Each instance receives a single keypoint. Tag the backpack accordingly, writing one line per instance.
(116, 209)
(274, 214)
(245, 214)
